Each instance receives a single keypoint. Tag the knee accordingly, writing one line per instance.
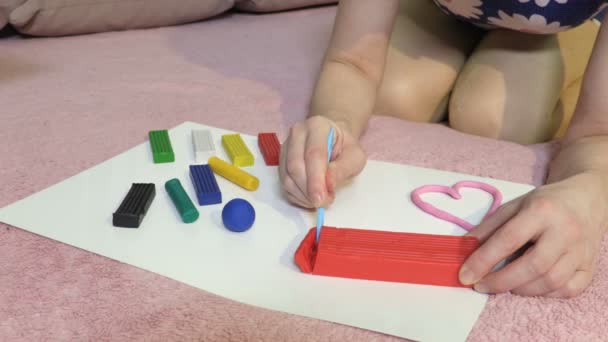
(494, 98)
(478, 113)
(409, 99)
(487, 113)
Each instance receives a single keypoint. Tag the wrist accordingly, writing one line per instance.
(591, 191)
(583, 155)
(348, 126)
(345, 122)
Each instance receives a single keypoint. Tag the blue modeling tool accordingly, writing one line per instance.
(321, 211)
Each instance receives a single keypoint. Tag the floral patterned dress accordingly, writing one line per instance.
(532, 16)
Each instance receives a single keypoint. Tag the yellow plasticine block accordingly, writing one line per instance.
(238, 152)
(233, 174)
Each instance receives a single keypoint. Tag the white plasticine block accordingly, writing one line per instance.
(203, 145)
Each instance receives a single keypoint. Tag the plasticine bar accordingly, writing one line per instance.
(205, 184)
(134, 206)
(270, 147)
(182, 202)
(233, 174)
(385, 256)
(202, 142)
(162, 151)
(238, 152)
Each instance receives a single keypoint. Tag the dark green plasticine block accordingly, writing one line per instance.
(162, 151)
(182, 202)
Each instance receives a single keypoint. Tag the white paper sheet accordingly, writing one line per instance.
(256, 267)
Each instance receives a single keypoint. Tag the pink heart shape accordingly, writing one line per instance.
(454, 193)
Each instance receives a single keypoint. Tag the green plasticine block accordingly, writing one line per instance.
(182, 202)
(162, 151)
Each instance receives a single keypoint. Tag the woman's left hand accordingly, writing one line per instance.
(565, 222)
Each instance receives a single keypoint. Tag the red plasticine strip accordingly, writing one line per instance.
(385, 256)
(454, 193)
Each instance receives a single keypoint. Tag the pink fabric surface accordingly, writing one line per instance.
(67, 104)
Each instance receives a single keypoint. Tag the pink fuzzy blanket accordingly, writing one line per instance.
(67, 104)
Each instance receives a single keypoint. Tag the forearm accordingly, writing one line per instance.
(585, 145)
(344, 96)
(354, 62)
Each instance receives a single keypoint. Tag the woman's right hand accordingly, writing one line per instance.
(307, 178)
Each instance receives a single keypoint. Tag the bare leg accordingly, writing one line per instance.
(576, 46)
(428, 49)
(511, 87)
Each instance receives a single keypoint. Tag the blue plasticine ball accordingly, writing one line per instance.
(238, 215)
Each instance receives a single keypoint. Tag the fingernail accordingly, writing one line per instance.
(480, 287)
(317, 200)
(466, 276)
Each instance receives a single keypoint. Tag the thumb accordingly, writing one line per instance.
(349, 163)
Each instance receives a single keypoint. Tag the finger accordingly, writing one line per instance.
(295, 195)
(295, 200)
(315, 157)
(295, 167)
(348, 164)
(293, 191)
(575, 286)
(563, 270)
(289, 185)
(487, 226)
(507, 239)
(534, 264)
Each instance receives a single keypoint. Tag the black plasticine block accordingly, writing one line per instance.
(134, 206)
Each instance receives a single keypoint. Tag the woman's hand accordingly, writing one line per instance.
(307, 178)
(565, 221)
(344, 98)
